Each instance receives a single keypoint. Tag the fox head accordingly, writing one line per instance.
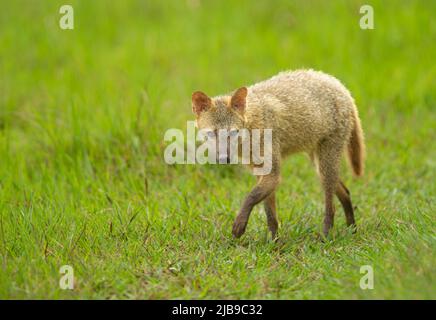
(214, 115)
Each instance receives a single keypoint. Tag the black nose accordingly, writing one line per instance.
(223, 159)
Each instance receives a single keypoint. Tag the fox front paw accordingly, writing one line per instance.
(239, 227)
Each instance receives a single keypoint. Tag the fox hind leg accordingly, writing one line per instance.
(271, 214)
(328, 161)
(345, 199)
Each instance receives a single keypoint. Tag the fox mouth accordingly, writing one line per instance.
(224, 160)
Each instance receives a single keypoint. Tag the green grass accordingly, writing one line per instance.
(82, 177)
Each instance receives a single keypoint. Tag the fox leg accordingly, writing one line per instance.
(344, 197)
(271, 214)
(329, 155)
(342, 193)
(265, 186)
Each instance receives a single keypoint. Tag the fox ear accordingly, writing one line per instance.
(200, 102)
(238, 100)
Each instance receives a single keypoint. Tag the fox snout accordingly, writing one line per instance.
(225, 144)
(223, 159)
(223, 151)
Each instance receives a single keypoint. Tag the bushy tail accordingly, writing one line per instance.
(356, 146)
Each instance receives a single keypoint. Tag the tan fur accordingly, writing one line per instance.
(309, 112)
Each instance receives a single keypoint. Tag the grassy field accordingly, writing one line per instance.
(83, 181)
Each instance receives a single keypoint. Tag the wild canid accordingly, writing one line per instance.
(308, 111)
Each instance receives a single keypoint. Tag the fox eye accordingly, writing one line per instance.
(233, 132)
(210, 134)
